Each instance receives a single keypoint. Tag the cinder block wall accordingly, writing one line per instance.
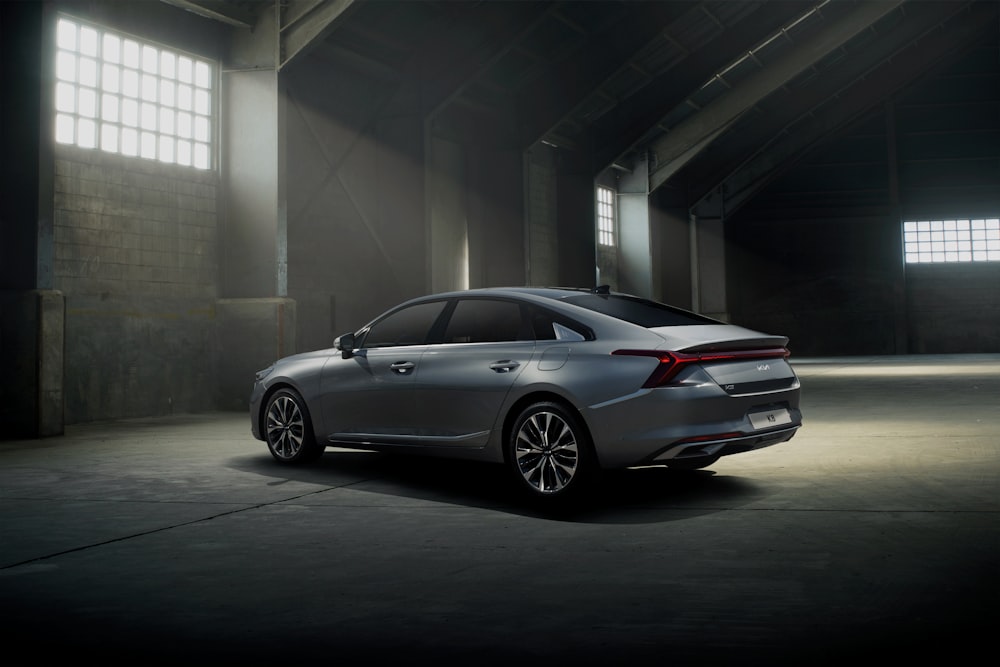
(136, 257)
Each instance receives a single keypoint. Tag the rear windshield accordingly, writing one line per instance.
(643, 312)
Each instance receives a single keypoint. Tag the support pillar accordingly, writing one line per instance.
(635, 259)
(255, 319)
(708, 258)
(32, 313)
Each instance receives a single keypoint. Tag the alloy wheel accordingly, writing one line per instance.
(285, 427)
(547, 452)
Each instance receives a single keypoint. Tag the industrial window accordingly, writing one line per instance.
(605, 216)
(137, 99)
(937, 241)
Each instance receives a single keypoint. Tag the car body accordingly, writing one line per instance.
(557, 383)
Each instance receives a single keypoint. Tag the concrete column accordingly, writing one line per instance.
(901, 325)
(32, 333)
(708, 267)
(255, 319)
(32, 314)
(253, 145)
(448, 252)
(541, 233)
(671, 252)
(635, 260)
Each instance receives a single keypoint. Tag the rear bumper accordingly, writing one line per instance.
(657, 425)
(723, 447)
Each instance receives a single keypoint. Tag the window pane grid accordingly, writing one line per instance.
(130, 98)
(941, 241)
(605, 216)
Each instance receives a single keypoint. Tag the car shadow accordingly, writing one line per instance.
(637, 495)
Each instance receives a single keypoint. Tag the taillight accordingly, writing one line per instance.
(672, 363)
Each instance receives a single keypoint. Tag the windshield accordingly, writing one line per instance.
(643, 312)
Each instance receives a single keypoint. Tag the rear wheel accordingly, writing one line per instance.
(549, 452)
(288, 430)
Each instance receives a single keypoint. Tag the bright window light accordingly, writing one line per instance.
(127, 97)
(605, 216)
(941, 241)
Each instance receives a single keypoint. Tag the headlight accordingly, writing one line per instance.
(260, 375)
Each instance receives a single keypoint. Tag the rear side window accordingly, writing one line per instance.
(408, 326)
(485, 321)
(643, 312)
(548, 326)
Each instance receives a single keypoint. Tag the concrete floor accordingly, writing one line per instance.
(874, 533)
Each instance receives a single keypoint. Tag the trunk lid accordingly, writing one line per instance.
(740, 360)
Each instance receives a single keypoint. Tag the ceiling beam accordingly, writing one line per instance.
(450, 71)
(939, 44)
(305, 22)
(673, 150)
(618, 133)
(566, 84)
(218, 10)
(775, 115)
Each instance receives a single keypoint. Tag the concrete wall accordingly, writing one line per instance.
(357, 231)
(109, 306)
(251, 333)
(384, 205)
(825, 283)
(953, 308)
(818, 254)
(839, 286)
(136, 256)
(495, 199)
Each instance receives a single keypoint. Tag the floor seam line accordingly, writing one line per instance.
(171, 527)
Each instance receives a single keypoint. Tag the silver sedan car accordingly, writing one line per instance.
(555, 383)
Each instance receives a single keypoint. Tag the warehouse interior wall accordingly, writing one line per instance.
(818, 255)
(134, 288)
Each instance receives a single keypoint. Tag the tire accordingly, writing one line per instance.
(288, 429)
(693, 463)
(549, 452)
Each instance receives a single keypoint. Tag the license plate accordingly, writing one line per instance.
(770, 418)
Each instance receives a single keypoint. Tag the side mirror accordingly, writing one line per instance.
(345, 344)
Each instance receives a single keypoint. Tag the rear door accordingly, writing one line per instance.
(463, 380)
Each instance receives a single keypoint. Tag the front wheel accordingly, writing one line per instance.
(549, 451)
(287, 429)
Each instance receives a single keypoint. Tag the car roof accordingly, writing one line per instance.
(546, 292)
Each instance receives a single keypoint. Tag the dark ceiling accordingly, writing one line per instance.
(717, 95)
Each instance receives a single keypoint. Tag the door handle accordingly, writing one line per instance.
(504, 366)
(401, 367)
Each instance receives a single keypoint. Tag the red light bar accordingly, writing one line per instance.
(671, 363)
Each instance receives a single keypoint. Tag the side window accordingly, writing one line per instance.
(546, 326)
(409, 326)
(485, 321)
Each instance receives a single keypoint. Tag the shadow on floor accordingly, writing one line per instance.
(639, 495)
